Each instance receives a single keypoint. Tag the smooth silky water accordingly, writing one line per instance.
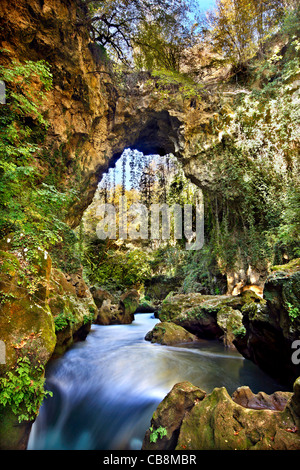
(106, 388)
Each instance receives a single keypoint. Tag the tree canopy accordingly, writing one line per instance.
(239, 28)
(122, 27)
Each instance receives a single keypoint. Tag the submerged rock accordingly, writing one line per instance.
(167, 333)
(217, 422)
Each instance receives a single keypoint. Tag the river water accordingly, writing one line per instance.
(106, 388)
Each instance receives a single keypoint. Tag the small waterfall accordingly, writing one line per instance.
(106, 388)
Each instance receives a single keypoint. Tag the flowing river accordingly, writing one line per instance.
(106, 388)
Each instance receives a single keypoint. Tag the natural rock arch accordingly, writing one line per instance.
(138, 119)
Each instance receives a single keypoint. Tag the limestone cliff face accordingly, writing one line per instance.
(79, 106)
(92, 117)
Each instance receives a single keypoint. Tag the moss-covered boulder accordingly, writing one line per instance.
(208, 316)
(73, 310)
(100, 295)
(129, 302)
(167, 418)
(282, 294)
(192, 312)
(231, 322)
(167, 333)
(217, 422)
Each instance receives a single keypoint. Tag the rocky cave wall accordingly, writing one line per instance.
(92, 118)
(94, 115)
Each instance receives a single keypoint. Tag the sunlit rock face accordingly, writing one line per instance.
(93, 116)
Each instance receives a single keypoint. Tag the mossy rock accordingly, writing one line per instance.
(199, 313)
(73, 313)
(118, 312)
(13, 435)
(231, 322)
(290, 267)
(129, 302)
(27, 330)
(170, 413)
(100, 295)
(26, 323)
(167, 333)
(174, 305)
(218, 423)
(282, 294)
(193, 420)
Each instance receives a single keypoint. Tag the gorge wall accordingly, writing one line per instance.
(92, 117)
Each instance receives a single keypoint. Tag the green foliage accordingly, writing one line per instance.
(173, 84)
(23, 390)
(293, 311)
(156, 28)
(200, 272)
(120, 264)
(158, 433)
(63, 319)
(115, 268)
(89, 318)
(255, 207)
(6, 297)
(239, 28)
(160, 43)
(239, 332)
(31, 208)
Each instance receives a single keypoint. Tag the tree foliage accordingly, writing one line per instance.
(32, 207)
(160, 43)
(155, 33)
(239, 28)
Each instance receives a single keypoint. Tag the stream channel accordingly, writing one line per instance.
(106, 388)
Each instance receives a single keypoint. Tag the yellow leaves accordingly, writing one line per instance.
(239, 27)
